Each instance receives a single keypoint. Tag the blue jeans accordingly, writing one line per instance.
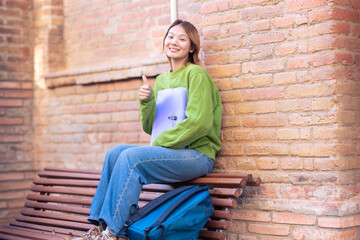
(127, 168)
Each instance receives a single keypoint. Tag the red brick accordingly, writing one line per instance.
(11, 138)
(265, 107)
(11, 176)
(132, 137)
(11, 195)
(296, 5)
(239, 55)
(313, 150)
(321, 43)
(283, 22)
(18, 4)
(18, 94)
(98, 108)
(232, 150)
(220, 18)
(262, 51)
(11, 121)
(278, 230)
(262, 12)
(310, 31)
(238, 28)
(231, 121)
(263, 38)
(238, 227)
(20, 185)
(264, 93)
(231, 96)
(10, 103)
(340, 27)
(324, 234)
(13, 85)
(209, 7)
(224, 71)
(211, 33)
(263, 163)
(265, 66)
(268, 120)
(292, 164)
(313, 90)
(355, 4)
(345, 14)
(237, 3)
(324, 133)
(243, 107)
(222, 44)
(222, 6)
(252, 216)
(293, 219)
(260, 25)
(285, 78)
(217, 58)
(288, 134)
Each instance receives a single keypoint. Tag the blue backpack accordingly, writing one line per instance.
(179, 214)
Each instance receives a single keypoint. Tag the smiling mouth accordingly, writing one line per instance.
(173, 50)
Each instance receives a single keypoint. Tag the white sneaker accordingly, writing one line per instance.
(106, 235)
(94, 233)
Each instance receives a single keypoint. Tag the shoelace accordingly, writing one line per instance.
(93, 233)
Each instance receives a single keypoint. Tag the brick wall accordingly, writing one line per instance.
(289, 77)
(16, 162)
(288, 73)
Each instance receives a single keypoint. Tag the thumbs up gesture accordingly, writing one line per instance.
(145, 89)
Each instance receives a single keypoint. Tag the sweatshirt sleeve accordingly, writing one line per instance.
(147, 112)
(199, 116)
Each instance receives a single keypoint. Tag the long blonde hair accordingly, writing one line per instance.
(193, 34)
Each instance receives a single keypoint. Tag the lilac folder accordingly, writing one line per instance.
(170, 109)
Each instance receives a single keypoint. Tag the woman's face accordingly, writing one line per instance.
(177, 44)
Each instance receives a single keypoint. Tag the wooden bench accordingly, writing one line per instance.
(59, 201)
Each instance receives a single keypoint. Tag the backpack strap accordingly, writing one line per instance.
(152, 205)
(173, 206)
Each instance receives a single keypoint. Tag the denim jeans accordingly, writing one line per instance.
(127, 168)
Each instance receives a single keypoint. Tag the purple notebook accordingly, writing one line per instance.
(170, 109)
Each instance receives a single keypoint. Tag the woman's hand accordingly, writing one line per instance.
(145, 89)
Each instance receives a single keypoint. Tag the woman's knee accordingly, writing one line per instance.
(113, 154)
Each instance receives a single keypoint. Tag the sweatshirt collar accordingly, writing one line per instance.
(179, 71)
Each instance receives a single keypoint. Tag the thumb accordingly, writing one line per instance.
(146, 82)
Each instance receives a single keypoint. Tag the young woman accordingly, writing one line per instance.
(180, 153)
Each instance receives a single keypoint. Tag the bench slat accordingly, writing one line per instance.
(64, 190)
(25, 234)
(53, 215)
(220, 182)
(66, 182)
(224, 225)
(69, 175)
(70, 170)
(9, 237)
(45, 228)
(52, 222)
(212, 235)
(58, 199)
(57, 207)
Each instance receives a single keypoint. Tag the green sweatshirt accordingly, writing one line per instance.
(201, 128)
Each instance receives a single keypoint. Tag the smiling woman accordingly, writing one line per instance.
(182, 44)
(184, 151)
